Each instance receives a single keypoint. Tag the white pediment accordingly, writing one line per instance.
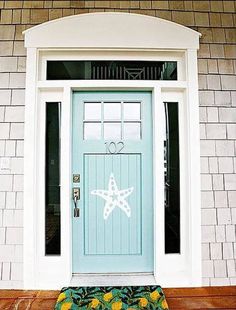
(111, 31)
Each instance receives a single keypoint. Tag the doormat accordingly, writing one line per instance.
(114, 298)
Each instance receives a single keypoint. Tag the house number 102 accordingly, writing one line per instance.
(114, 147)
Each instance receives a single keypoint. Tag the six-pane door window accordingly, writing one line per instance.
(112, 120)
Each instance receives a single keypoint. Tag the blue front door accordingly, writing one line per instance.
(112, 152)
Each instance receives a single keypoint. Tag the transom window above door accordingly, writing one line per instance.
(108, 120)
(111, 70)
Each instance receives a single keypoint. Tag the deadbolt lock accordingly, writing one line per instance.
(76, 178)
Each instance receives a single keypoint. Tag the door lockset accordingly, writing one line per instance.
(76, 193)
(76, 197)
(76, 178)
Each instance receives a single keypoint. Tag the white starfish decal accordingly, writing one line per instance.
(114, 198)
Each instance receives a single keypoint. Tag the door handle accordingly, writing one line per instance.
(76, 197)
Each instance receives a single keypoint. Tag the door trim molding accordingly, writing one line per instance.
(53, 272)
(169, 270)
(152, 32)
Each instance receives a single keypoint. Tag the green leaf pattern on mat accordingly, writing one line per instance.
(114, 298)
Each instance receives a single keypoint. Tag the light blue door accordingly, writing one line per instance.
(112, 152)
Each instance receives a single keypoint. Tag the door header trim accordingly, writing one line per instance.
(128, 30)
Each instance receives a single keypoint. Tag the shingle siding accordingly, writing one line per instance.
(217, 93)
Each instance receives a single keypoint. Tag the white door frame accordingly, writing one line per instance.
(50, 272)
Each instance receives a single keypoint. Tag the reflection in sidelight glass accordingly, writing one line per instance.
(132, 131)
(92, 131)
(52, 181)
(172, 179)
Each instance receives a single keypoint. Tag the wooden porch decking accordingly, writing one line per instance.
(177, 298)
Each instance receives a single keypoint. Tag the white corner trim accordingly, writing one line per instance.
(194, 165)
(30, 154)
(111, 30)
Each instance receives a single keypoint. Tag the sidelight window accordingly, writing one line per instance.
(172, 179)
(52, 182)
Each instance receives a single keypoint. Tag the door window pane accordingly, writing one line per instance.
(52, 180)
(112, 111)
(132, 131)
(92, 131)
(132, 111)
(112, 131)
(92, 111)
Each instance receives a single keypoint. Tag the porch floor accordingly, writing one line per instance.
(177, 298)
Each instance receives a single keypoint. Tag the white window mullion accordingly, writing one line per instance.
(66, 181)
(158, 184)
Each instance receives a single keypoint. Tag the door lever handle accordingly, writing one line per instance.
(76, 197)
(75, 201)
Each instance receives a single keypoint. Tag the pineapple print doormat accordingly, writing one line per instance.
(114, 298)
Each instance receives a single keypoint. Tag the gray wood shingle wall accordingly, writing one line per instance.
(216, 20)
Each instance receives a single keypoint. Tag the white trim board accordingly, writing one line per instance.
(48, 272)
(138, 55)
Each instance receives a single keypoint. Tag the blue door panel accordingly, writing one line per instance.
(114, 232)
(118, 234)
